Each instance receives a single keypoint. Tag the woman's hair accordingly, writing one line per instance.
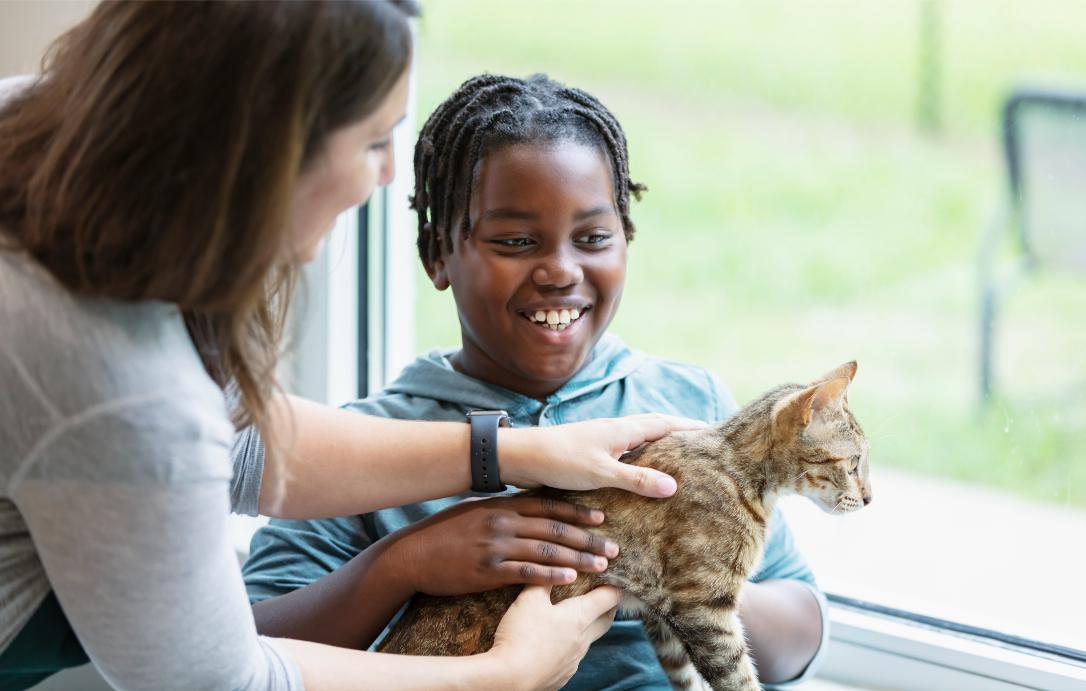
(491, 111)
(157, 155)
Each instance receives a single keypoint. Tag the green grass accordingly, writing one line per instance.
(797, 217)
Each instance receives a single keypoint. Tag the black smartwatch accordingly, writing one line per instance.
(485, 476)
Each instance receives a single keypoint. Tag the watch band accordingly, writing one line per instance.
(485, 474)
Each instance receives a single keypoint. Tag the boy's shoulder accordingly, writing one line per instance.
(685, 381)
(641, 383)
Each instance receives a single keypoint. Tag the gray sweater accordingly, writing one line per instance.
(115, 490)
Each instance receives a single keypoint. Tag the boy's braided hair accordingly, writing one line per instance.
(490, 111)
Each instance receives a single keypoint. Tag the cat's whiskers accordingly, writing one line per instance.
(888, 435)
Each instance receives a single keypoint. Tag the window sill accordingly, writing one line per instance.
(884, 652)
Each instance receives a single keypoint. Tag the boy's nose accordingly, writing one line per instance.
(559, 270)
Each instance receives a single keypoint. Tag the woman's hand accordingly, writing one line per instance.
(542, 643)
(481, 545)
(585, 455)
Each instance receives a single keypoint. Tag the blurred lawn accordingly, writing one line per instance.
(798, 218)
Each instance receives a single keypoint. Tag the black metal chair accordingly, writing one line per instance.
(1044, 142)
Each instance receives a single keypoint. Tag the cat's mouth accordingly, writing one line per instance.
(555, 317)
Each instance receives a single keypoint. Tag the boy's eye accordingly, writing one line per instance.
(516, 243)
(594, 238)
(383, 144)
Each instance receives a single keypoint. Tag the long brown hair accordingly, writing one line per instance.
(156, 156)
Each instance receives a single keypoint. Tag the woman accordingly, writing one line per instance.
(159, 187)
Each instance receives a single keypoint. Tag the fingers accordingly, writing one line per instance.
(640, 480)
(602, 624)
(596, 603)
(652, 426)
(534, 596)
(512, 572)
(544, 507)
(564, 534)
(549, 554)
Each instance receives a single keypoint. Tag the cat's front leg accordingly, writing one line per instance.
(673, 658)
(713, 637)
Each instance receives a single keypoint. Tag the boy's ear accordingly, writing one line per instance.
(435, 268)
(437, 273)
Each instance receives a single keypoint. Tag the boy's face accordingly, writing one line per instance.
(546, 241)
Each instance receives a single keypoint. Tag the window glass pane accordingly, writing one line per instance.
(821, 179)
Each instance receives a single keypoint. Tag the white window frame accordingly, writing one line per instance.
(873, 650)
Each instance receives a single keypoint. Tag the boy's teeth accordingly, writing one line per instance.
(555, 318)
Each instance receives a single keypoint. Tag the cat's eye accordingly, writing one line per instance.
(855, 467)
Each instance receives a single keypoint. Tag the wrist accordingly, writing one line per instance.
(394, 564)
(498, 672)
(519, 447)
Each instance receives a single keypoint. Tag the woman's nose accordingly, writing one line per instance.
(558, 269)
(388, 166)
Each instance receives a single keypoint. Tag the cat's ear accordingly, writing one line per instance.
(792, 414)
(830, 394)
(847, 370)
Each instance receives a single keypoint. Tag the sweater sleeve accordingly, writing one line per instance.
(248, 458)
(127, 504)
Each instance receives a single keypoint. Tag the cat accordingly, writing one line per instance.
(684, 560)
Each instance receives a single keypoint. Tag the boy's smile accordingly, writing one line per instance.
(540, 275)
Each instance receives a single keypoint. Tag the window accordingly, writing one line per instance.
(821, 177)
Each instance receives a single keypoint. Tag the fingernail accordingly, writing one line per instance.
(569, 575)
(610, 549)
(600, 563)
(666, 486)
(596, 515)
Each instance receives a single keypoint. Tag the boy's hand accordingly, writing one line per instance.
(481, 545)
(584, 455)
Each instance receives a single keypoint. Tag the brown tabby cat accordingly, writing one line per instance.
(685, 559)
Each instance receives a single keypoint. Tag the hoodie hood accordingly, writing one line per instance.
(432, 376)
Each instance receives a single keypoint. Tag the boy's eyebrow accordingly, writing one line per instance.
(522, 215)
(594, 211)
(508, 212)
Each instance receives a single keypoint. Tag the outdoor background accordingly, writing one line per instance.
(809, 205)
(799, 215)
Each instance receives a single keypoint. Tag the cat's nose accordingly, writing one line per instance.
(867, 499)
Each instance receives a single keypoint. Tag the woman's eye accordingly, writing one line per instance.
(383, 144)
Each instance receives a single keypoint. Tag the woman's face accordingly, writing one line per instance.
(354, 160)
(546, 245)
